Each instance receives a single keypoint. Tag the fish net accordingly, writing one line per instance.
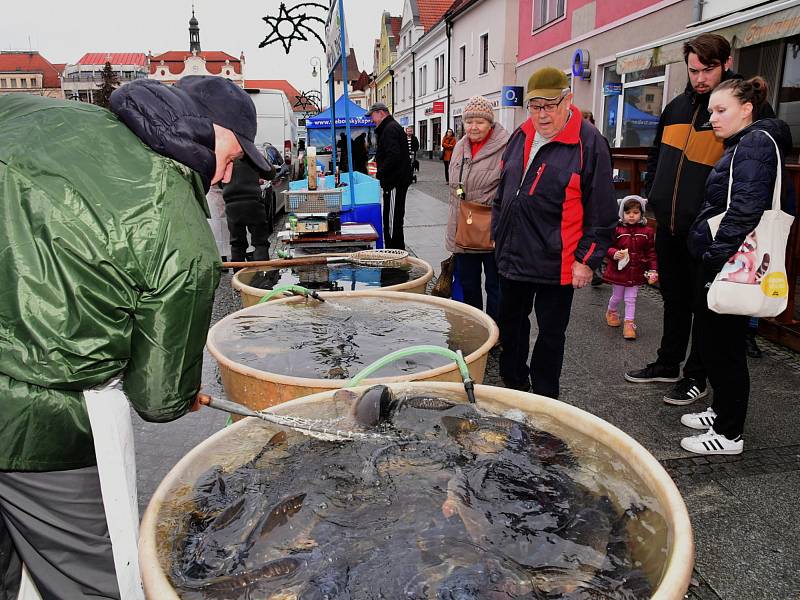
(378, 258)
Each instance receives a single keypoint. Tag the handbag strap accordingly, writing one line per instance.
(776, 191)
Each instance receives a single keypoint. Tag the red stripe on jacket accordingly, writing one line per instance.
(571, 226)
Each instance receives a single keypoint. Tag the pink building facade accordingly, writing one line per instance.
(625, 59)
(583, 38)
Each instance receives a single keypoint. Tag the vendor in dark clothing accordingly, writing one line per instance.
(246, 212)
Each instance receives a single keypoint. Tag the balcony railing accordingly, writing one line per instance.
(631, 164)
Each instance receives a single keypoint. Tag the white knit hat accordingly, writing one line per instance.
(478, 106)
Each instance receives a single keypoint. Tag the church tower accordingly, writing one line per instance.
(194, 34)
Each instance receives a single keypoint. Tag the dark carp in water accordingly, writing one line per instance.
(462, 504)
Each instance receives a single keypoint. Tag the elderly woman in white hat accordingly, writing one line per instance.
(475, 170)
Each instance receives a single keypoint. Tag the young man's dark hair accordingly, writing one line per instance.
(711, 49)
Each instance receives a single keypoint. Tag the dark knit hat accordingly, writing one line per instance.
(229, 106)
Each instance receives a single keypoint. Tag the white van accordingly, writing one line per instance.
(277, 125)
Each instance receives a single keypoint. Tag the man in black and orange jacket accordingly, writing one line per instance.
(684, 151)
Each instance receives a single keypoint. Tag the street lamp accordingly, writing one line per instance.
(316, 63)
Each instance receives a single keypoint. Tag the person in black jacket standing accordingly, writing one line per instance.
(245, 211)
(684, 151)
(754, 155)
(394, 173)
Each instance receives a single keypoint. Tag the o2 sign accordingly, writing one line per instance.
(580, 64)
(512, 95)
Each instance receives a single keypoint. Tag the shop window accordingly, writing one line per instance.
(547, 11)
(789, 93)
(458, 127)
(638, 97)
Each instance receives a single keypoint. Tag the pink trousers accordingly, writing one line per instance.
(629, 293)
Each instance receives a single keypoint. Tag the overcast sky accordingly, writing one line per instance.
(64, 31)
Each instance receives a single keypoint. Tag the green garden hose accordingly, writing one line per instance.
(458, 357)
(297, 289)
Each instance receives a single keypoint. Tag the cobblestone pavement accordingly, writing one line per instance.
(743, 508)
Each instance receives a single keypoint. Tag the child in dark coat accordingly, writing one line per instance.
(631, 262)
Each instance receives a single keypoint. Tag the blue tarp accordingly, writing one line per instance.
(638, 117)
(358, 116)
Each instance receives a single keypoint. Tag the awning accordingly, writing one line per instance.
(746, 28)
(358, 116)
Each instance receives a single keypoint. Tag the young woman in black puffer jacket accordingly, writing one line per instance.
(733, 105)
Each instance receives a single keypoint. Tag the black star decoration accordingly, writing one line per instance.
(306, 100)
(297, 22)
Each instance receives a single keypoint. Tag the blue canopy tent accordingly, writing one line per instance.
(637, 117)
(638, 127)
(319, 127)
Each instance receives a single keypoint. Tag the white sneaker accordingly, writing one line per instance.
(702, 420)
(712, 443)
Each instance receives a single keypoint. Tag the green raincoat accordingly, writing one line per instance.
(108, 267)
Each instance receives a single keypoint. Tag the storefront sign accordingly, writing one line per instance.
(512, 95)
(438, 107)
(403, 121)
(778, 25)
(612, 89)
(635, 62)
(580, 64)
(428, 111)
(783, 24)
(457, 111)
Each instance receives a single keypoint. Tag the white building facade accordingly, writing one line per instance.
(420, 79)
(483, 54)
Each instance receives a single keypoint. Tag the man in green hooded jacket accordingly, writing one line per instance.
(108, 269)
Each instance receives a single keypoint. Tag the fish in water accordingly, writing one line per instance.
(241, 581)
(374, 406)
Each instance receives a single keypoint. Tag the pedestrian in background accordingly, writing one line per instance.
(341, 149)
(413, 148)
(360, 153)
(394, 173)
(741, 183)
(448, 143)
(684, 152)
(476, 170)
(552, 222)
(632, 263)
(110, 211)
(246, 212)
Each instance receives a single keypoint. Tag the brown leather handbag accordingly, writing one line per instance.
(474, 224)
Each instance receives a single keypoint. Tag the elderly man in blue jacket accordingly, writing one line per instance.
(552, 222)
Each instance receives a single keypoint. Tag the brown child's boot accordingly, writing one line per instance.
(629, 330)
(612, 318)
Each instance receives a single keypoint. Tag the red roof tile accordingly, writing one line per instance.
(31, 62)
(174, 60)
(396, 23)
(431, 11)
(274, 84)
(115, 58)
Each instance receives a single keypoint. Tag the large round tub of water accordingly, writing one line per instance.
(518, 496)
(292, 347)
(412, 275)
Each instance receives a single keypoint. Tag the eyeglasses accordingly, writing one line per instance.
(548, 108)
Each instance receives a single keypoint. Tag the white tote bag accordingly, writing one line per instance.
(753, 282)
